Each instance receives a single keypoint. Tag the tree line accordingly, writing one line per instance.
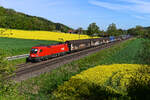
(16, 20)
(112, 30)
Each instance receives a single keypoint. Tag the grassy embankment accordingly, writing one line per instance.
(44, 85)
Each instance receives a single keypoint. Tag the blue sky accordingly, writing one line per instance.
(80, 13)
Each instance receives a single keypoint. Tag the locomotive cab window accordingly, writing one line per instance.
(34, 51)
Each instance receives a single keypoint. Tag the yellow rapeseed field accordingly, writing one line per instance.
(40, 35)
(108, 79)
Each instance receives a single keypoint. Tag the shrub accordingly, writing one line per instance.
(106, 82)
(139, 87)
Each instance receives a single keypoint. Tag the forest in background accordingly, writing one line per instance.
(9, 18)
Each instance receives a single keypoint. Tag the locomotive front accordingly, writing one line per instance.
(40, 53)
(34, 54)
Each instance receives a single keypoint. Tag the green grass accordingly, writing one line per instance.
(13, 63)
(144, 53)
(126, 55)
(12, 46)
(43, 85)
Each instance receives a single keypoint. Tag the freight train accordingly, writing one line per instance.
(44, 52)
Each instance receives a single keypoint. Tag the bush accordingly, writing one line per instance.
(123, 81)
(139, 87)
(78, 89)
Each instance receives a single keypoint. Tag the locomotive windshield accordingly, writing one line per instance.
(34, 51)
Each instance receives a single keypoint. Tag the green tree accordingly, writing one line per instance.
(131, 31)
(112, 30)
(139, 30)
(102, 33)
(120, 31)
(80, 30)
(148, 33)
(84, 32)
(92, 29)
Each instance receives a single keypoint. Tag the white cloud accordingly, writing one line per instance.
(139, 17)
(146, 18)
(108, 5)
(137, 2)
(134, 5)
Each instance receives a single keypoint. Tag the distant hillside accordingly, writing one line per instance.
(16, 20)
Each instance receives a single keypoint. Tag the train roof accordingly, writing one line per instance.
(87, 40)
(43, 45)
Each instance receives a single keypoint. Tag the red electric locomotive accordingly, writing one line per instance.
(44, 52)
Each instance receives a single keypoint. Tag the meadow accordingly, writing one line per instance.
(51, 85)
(12, 46)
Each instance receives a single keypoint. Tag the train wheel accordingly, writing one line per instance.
(28, 60)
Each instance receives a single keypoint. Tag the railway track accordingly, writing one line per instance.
(28, 70)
